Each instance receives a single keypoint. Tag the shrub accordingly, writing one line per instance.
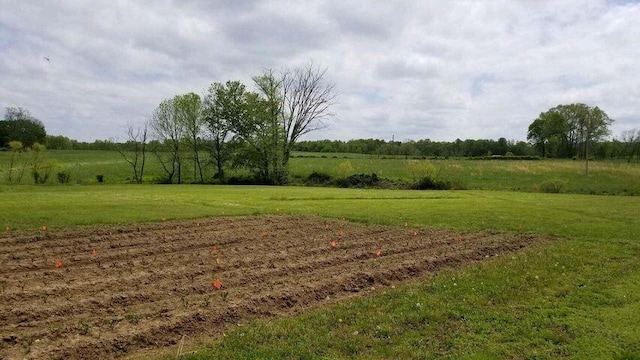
(359, 181)
(318, 178)
(63, 177)
(553, 186)
(40, 177)
(41, 174)
(427, 183)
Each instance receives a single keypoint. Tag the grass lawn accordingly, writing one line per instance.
(576, 298)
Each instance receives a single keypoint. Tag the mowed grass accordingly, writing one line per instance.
(578, 297)
(605, 177)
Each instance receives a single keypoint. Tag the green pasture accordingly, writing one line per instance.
(605, 177)
(576, 298)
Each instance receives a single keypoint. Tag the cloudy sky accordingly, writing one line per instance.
(410, 69)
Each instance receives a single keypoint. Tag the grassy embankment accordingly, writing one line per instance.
(578, 297)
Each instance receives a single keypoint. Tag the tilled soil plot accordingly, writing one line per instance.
(109, 292)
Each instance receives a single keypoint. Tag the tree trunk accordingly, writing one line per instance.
(586, 158)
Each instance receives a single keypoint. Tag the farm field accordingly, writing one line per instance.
(111, 291)
(574, 297)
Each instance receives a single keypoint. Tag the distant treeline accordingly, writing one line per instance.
(457, 148)
(422, 148)
(427, 148)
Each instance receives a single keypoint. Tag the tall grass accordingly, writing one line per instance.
(605, 177)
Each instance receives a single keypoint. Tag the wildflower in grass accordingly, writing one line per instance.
(93, 252)
(214, 249)
(415, 233)
(263, 234)
(406, 224)
(58, 263)
(217, 284)
(379, 253)
(333, 244)
(44, 228)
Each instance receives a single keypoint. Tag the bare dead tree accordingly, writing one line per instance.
(169, 132)
(631, 141)
(296, 103)
(135, 153)
(306, 101)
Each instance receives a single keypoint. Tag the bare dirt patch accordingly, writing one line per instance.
(112, 291)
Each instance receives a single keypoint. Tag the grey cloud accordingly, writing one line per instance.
(443, 70)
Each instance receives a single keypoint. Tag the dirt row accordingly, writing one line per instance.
(112, 291)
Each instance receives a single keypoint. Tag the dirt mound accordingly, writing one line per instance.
(109, 292)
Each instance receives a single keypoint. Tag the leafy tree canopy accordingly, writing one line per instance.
(20, 125)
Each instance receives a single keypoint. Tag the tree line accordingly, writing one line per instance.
(236, 127)
(421, 148)
(231, 127)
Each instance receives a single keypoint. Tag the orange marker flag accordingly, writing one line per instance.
(214, 249)
(58, 263)
(263, 234)
(333, 244)
(44, 228)
(93, 252)
(379, 253)
(217, 284)
(415, 233)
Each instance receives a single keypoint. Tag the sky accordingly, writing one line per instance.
(403, 70)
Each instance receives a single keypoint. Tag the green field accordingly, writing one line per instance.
(605, 177)
(577, 298)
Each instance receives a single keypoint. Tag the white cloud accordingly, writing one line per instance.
(438, 70)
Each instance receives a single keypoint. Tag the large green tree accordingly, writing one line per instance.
(188, 112)
(549, 126)
(224, 107)
(20, 125)
(268, 109)
(575, 126)
(593, 125)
